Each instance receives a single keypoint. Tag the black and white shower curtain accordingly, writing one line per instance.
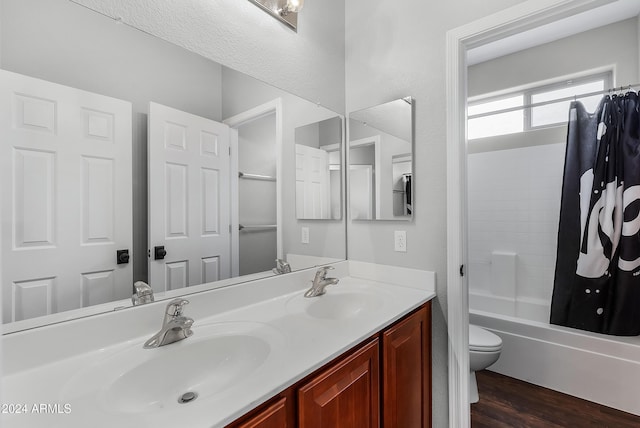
(597, 276)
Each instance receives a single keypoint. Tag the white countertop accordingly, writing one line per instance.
(62, 367)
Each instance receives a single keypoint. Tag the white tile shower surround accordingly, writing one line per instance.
(37, 364)
(514, 206)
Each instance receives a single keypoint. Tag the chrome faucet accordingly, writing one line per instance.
(175, 326)
(320, 282)
(142, 293)
(281, 267)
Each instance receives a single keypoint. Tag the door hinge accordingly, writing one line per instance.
(229, 151)
(461, 270)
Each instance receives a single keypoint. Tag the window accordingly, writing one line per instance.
(496, 123)
(537, 107)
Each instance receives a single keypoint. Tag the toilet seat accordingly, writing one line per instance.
(481, 340)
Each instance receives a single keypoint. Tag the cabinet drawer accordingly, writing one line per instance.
(346, 395)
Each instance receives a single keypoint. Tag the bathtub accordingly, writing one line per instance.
(599, 368)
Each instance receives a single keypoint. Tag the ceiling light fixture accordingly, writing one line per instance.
(285, 11)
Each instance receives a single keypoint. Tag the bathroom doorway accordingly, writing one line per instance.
(256, 195)
(257, 188)
(495, 28)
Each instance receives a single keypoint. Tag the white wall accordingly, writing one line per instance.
(330, 132)
(308, 135)
(394, 50)
(317, 134)
(237, 34)
(612, 45)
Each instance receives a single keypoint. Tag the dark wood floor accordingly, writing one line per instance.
(511, 403)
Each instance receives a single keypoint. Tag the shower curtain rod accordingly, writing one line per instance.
(558, 100)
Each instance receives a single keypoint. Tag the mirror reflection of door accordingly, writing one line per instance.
(188, 199)
(361, 191)
(363, 172)
(312, 183)
(318, 174)
(257, 195)
(65, 162)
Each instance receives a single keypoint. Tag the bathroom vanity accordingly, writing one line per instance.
(261, 355)
(385, 379)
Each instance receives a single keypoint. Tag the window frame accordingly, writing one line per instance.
(535, 89)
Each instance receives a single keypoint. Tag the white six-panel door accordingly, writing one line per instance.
(312, 183)
(65, 170)
(189, 198)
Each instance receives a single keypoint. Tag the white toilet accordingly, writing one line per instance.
(484, 350)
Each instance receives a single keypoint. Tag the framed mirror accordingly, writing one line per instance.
(318, 151)
(126, 158)
(381, 161)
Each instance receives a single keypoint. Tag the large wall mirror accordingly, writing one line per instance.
(125, 158)
(381, 161)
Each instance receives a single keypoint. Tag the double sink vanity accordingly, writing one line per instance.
(261, 354)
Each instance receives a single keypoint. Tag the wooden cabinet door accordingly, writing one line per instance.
(274, 415)
(406, 360)
(346, 395)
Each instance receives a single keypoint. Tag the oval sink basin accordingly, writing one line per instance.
(204, 368)
(339, 304)
(216, 358)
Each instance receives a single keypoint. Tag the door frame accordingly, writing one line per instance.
(369, 168)
(374, 141)
(521, 17)
(271, 107)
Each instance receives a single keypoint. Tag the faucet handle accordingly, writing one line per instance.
(284, 266)
(176, 306)
(142, 288)
(325, 269)
(143, 293)
(321, 273)
(281, 267)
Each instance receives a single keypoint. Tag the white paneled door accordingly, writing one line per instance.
(312, 183)
(65, 177)
(189, 214)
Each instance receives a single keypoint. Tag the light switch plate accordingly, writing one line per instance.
(304, 235)
(400, 240)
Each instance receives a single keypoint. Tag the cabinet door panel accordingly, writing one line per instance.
(274, 416)
(407, 372)
(346, 395)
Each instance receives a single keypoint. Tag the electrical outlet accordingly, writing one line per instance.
(304, 235)
(400, 240)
